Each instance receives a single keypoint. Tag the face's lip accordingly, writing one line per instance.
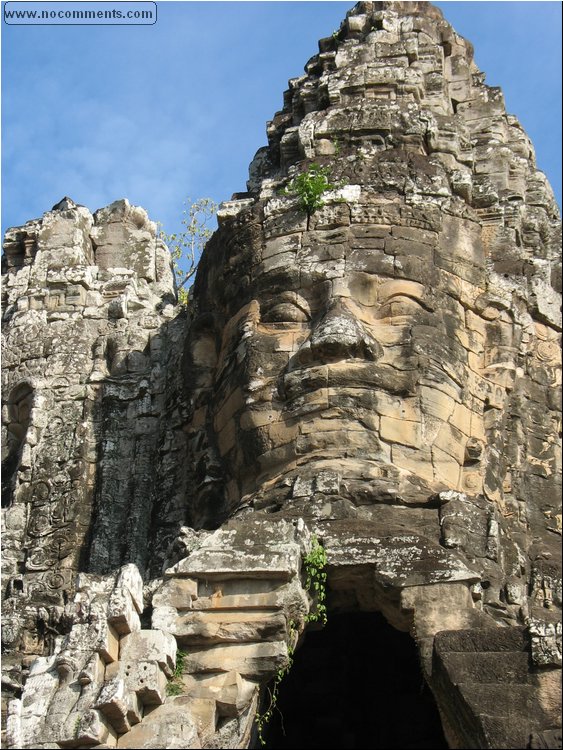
(348, 373)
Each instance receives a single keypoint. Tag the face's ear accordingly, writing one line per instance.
(203, 350)
(204, 342)
(200, 358)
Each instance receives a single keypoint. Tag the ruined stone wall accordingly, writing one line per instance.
(381, 373)
(90, 333)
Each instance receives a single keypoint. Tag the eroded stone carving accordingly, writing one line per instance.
(383, 373)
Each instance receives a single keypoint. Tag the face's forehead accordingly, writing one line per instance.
(357, 260)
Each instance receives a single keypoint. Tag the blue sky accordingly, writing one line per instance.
(159, 113)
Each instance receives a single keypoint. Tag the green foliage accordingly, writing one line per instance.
(186, 246)
(173, 688)
(180, 666)
(315, 581)
(263, 718)
(175, 685)
(310, 186)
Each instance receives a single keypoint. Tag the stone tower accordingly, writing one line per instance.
(369, 369)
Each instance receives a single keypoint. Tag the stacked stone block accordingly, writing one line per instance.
(108, 683)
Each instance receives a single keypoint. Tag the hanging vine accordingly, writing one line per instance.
(263, 718)
(315, 582)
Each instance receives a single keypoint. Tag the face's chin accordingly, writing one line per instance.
(356, 421)
(344, 475)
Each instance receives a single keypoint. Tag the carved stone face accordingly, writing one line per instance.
(336, 365)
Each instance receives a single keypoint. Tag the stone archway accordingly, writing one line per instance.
(357, 683)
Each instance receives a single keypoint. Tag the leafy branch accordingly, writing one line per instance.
(315, 581)
(186, 246)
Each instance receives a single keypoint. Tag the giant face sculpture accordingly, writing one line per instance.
(343, 388)
(400, 340)
(359, 353)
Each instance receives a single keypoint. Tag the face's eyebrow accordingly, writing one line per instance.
(287, 278)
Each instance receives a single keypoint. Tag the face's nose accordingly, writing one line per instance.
(337, 335)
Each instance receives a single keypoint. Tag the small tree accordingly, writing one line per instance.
(186, 246)
(310, 187)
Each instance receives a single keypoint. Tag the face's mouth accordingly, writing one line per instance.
(346, 374)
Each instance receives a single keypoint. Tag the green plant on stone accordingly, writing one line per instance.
(186, 246)
(310, 186)
(175, 685)
(173, 689)
(180, 665)
(315, 580)
(336, 145)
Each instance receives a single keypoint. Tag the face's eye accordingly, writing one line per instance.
(287, 308)
(399, 305)
(286, 312)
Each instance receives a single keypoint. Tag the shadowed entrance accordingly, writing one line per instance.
(355, 684)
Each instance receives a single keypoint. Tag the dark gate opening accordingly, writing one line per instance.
(355, 684)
